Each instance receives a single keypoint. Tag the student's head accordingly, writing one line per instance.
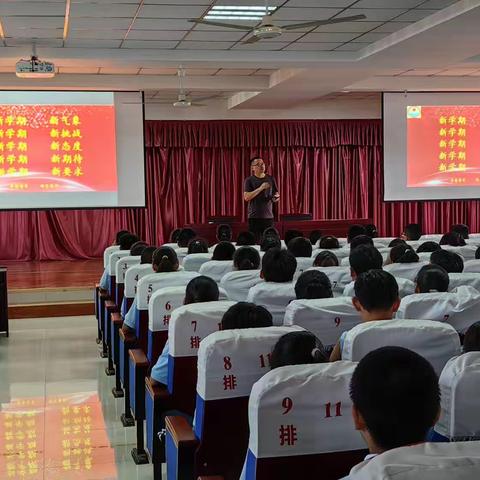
(450, 261)
(432, 278)
(355, 231)
(477, 254)
(246, 315)
(146, 257)
(246, 258)
(291, 234)
(313, 284)
(364, 258)
(461, 229)
(185, 236)
(428, 247)
(403, 254)
(329, 243)
(119, 235)
(198, 245)
(278, 266)
(412, 231)
(224, 233)
(471, 341)
(376, 295)
(270, 241)
(297, 348)
(326, 259)
(397, 241)
(257, 166)
(201, 289)
(361, 240)
(315, 236)
(245, 238)
(271, 231)
(174, 235)
(396, 398)
(165, 260)
(453, 239)
(223, 251)
(300, 247)
(371, 230)
(138, 248)
(127, 240)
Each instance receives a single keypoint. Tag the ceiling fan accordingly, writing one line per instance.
(268, 29)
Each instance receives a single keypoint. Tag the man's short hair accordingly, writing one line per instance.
(278, 265)
(300, 247)
(371, 230)
(413, 231)
(376, 290)
(361, 240)
(313, 284)
(270, 241)
(429, 246)
(450, 261)
(146, 258)
(315, 236)
(432, 278)
(329, 243)
(291, 234)
(355, 231)
(453, 239)
(365, 258)
(396, 392)
(223, 251)
(119, 235)
(461, 229)
(184, 237)
(245, 238)
(246, 315)
(127, 240)
(137, 248)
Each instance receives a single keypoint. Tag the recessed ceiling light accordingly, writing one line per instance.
(234, 12)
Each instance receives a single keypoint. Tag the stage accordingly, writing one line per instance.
(51, 288)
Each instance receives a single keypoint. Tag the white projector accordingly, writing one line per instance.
(34, 68)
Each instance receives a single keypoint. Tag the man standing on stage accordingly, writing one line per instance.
(260, 191)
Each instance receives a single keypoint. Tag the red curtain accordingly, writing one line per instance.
(194, 170)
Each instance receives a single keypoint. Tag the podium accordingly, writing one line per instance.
(3, 302)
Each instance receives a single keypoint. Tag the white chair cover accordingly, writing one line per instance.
(340, 253)
(405, 270)
(460, 388)
(171, 245)
(436, 341)
(425, 461)
(238, 283)
(467, 252)
(216, 269)
(161, 305)
(274, 297)
(114, 258)
(312, 399)
(181, 253)
(471, 266)
(424, 256)
(194, 261)
(459, 279)
(435, 237)
(123, 265)
(304, 263)
(327, 318)
(405, 287)
(133, 275)
(339, 277)
(459, 308)
(107, 252)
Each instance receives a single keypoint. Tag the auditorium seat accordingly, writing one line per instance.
(181, 252)
(194, 261)
(339, 277)
(274, 297)
(300, 421)
(327, 318)
(405, 270)
(459, 279)
(303, 263)
(436, 341)
(216, 269)
(107, 252)
(471, 266)
(238, 282)
(424, 256)
(460, 308)
(340, 253)
(229, 363)
(120, 271)
(405, 287)
(467, 252)
(112, 264)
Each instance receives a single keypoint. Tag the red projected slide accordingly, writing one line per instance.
(57, 148)
(443, 146)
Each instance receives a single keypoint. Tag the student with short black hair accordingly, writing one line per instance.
(477, 254)
(138, 248)
(246, 258)
(198, 245)
(362, 259)
(119, 235)
(453, 239)
(471, 340)
(361, 240)
(376, 298)
(278, 265)
(224, 233)
(246, 315)
(291, 234)
(371, 230)
(355, 231)
(245, 238)
(450, 261)
(396, 400)
(461, 229)
(146, 256)
(397, 241)
(199, 289)
(127, 240)
(403, 254)
(297, 348)
(270, 231)
(270, 241)
(315, 236)
(185, 236)
(326, 259)
(432, 278)
(329, 243)
(412, 232)
(223, 251)
(313, 284)
(174, 235)
(428, 247)
(300, 247)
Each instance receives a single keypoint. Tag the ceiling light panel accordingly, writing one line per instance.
(238, 12)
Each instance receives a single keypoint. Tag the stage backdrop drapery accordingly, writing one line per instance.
(195, 169)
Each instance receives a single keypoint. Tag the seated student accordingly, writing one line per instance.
(138, 248)
(450, 261)
(246, 258)
(164, 260)
(291, 234)
(223, 251)
(361, 240)
(245, 239)
(355, 231)
(326, 259)
(412, 232)
(428, 247)
(270, 241)
(376, 298)
(471, 340)
(198, 245)
(224, 233)
(200, 289)
(403, 254)
(300, 247)
(278, 265)
(453, 239)
(362, 259)
(147, 255)
(396, 241)
(432, 278)
(297, 348)
(174, 235)
(477, 254)
(270, 231)
(246, 315)
(461, 229)
(313, 284)
(315, 236)
(329, 243)
(371, 230)
(396, 400)
(185, 236)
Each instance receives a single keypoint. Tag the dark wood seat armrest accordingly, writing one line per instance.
(127, 338)
(116, 318)
(157, 391)
(181, 431)
(104, 294)
(110, 304)
(139, 358)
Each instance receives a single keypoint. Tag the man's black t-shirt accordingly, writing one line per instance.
(261, 205)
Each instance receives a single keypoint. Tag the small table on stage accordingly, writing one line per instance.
(3, 302)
